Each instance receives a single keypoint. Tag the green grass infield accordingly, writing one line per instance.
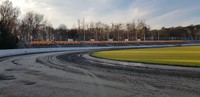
(181, 56)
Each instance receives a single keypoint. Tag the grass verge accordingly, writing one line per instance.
(181, 56)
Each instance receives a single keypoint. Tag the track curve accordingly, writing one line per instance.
(69, 74)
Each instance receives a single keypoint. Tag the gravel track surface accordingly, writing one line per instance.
(69, 74)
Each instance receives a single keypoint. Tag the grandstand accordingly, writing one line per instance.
(59, 44)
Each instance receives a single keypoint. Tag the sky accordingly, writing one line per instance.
(156, 13)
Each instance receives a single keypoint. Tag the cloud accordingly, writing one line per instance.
(157, 13)
(178, 17)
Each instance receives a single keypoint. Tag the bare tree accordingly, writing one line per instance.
(63, 32)
(33, 23)
(8, 24)
(131, 29)
(92, 30)
(140, 26)
(8, 16)
(107, 31)
(49, 32)
(118, 28)
(83, 27)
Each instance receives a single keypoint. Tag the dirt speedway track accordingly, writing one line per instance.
(68, 74)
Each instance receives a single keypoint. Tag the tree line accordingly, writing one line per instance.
(35, 27)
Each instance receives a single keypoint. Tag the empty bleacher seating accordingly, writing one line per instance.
(55, 44)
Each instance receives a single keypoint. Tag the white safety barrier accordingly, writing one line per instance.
(10, 52)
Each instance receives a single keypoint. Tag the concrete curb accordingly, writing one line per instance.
(141, 65)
